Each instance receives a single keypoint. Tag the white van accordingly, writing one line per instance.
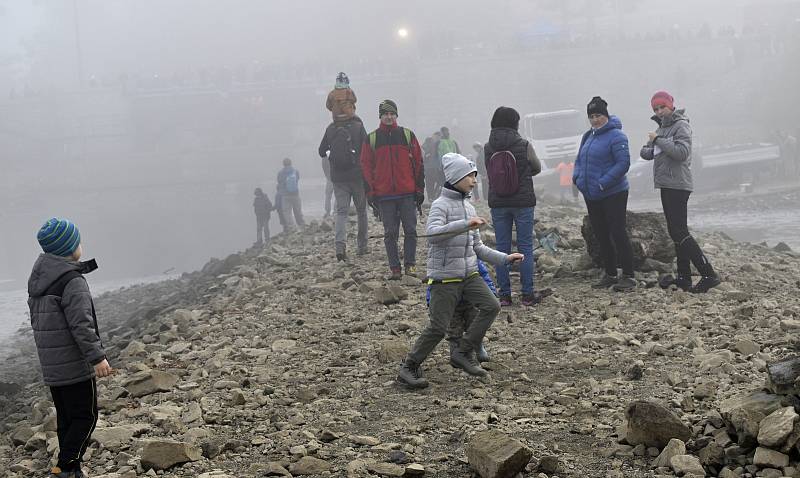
(556, 136)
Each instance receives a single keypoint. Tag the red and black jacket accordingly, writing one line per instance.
(394, 166)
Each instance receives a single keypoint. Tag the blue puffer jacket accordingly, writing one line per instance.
(603, 161)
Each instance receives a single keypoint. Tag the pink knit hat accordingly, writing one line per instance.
(662, 98)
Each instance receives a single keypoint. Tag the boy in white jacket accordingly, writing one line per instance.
(453, 275)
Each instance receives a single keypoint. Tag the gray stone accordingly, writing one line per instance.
(308, 465)
(674, 447)
(385, 296)
(746, 422)
(712, 454)
(770, 458)
(164, 454)
(687, 465)
(149, 382)
(495, 455)
(113, 438)
(747, 347)
(392, 351)
(415, 469)
(283, 345)
(776, 427)
(653, 425)
(386, 469)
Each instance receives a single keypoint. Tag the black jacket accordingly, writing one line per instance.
(344, 170)
(528, 166)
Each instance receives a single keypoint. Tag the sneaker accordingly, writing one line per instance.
(56, 472)
(705, 283)
(395, 275)
(624, 284)
(411, 270)
(531, 300)
(605, 282)
(341, 256)
(411, 374)
(505, 301)
(464, 358)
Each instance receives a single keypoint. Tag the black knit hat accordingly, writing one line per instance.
(505, 117)
(597, 106)
(387, 106)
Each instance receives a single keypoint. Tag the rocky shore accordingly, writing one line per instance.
(281, 362)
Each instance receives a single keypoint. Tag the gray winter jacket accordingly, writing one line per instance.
(64, 327)
(455, 256)
(672, 164)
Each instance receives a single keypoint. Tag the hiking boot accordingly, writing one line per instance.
(411, 270)
(683, 283)
(362, 251)
(483, 355)
(341, 257)
(624, 284)
(453, 343)
(411, 374)
(464, 358)
(705, 283)
(505, 301)
(605, 282)
(395, 275)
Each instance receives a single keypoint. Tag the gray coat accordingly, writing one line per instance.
(672, 165)
(63, 327)
(455, 256)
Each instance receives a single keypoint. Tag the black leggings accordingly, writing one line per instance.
(609, 224)
(687, 250)
(76, 416)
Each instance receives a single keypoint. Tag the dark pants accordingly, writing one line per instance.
(675, 203)
(393, 213)
(608, 218)
(76, 416)
(444, 300)
(262, 229)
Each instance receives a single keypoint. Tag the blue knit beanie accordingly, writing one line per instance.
(59, 237)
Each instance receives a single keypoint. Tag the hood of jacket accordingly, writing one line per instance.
(501, 139)
(676, 116)
(46, 270)
(613, 123)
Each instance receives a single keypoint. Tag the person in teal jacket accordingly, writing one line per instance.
(600, 175)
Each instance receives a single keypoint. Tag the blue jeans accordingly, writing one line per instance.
(504, 219)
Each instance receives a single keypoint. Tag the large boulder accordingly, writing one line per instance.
(649, 240)
(653, 425)
(150, 381)
(164, 454)
(495, 455)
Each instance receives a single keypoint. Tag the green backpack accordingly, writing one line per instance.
(446, 146)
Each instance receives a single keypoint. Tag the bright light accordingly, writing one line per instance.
(402, 33)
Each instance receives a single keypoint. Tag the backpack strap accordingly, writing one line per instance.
(373, 140)
(57, 287)
(407, 134)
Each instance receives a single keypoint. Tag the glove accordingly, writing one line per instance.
(419, 197)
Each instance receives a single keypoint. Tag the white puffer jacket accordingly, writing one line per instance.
(455, 256)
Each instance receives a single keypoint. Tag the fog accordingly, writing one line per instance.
(150, 122)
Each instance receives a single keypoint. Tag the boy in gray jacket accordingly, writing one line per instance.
(67, 339)
(454, 246)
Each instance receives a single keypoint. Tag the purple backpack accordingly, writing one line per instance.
(502, 172)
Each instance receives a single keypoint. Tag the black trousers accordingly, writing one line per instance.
(608, 218)
(675, 203)
(76, 416)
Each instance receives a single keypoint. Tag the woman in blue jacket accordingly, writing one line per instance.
(600, 168)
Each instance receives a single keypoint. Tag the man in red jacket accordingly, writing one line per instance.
(391, 160)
